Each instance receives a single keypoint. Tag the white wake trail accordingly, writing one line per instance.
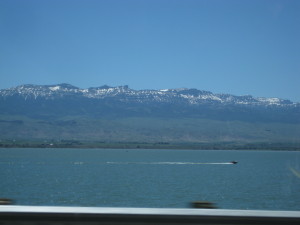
(172, 163)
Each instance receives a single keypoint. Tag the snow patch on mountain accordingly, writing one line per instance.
(271, 101)
(54, 88)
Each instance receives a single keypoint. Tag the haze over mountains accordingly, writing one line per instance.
(122, 114)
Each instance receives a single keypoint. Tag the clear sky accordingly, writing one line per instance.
(225, 46)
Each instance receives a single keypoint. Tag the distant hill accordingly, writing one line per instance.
(121, 114)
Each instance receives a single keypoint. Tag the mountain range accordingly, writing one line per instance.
(113, 114)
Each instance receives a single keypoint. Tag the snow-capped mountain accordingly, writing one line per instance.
(63, 100)
(122, 114)
(125, 94)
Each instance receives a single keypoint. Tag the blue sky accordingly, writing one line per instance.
(238, 47)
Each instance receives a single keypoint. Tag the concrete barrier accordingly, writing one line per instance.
(23, 215)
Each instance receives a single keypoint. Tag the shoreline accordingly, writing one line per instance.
(255, 146)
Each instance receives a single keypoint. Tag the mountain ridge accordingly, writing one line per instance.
(191, 96)
(119, 114)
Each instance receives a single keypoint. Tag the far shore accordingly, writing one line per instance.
(156, 145)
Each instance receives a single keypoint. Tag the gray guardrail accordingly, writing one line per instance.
(12, 215)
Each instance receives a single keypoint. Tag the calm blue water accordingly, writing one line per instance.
(150, 178)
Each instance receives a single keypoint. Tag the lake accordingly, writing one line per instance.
(151, 178)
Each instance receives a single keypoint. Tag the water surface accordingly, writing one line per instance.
(151, 178)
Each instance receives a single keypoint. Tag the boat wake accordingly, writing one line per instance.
(173, 163)
(137, 163)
